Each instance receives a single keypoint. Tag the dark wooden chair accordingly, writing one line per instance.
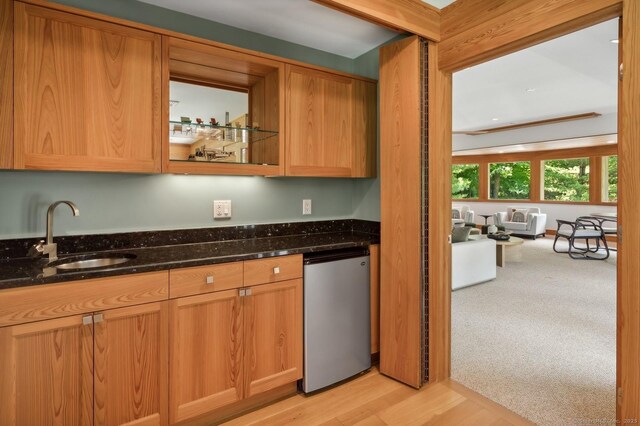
(587, 231)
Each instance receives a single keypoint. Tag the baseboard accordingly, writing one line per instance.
(245, 406)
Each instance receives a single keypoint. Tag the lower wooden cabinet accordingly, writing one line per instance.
(130, 365)
(47, 373)
(273, 336)
(231, 345)
(206, 353)
(106, 368)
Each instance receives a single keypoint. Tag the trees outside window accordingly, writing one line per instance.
(566, 180)
(510, 181)
(610, 178)
(464, 180)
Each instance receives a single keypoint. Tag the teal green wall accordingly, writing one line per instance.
(117, 202)
(127, 202)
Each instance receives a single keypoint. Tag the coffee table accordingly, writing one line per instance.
(501, 250)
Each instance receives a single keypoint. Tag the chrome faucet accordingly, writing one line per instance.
(50, 248)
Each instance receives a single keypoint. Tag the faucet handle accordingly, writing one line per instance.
(36, 249)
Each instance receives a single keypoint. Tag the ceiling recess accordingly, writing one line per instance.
(545, 122)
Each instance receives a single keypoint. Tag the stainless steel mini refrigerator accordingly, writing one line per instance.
(337, 333)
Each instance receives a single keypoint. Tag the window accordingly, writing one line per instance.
(464, 180)
(566, 180)
(610, 178)
(509, 181)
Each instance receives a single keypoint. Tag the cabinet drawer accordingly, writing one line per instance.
(205, 279)
(272, 269)
(28, 304)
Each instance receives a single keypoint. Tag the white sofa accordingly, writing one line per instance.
(472, 262)
(464, 213)
(535, 223)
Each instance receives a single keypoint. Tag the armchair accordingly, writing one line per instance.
(585, 229)
(526, 221)
(461, 214)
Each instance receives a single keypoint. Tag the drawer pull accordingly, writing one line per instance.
(276, 270)
(209, 279)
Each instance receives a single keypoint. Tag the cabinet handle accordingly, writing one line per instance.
(87, 319)
(276, 270)
(209, 279)
(247, 292)
(242, 292)
(97, 318)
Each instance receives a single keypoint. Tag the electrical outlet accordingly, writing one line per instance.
(306, 207)
(222, 209)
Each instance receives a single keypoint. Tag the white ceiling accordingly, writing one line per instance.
(439, 3)
(298, 21)
(570, 75)
(543, 146)
(573, 74)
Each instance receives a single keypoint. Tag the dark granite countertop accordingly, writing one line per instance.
(21, 272)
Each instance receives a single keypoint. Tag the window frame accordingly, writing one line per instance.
(596, 154)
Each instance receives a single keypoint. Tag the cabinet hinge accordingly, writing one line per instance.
(619, 233)
(621, 72)
(620, 396)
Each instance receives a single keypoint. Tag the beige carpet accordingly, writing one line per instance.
(541, 338)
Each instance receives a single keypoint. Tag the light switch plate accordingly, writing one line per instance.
(306, 207)
(222, 209)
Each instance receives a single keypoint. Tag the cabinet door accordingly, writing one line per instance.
(87, 94)
(331, 124)
(46, 373)
(205, 353)
(273, 335)
(131, 358)
(319, 123)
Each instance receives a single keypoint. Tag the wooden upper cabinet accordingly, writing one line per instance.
(207, 149)
(87, 94)
(273, 335)
(6, 84)
(130, 361)
(47, 373)
(330, 124)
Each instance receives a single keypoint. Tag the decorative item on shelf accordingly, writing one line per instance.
(200, 122)
(177, 128)
(237, 133)
(244, 155)
(214, 122)
(492, 229)
(185, 120)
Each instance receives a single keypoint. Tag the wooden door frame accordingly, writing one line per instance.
(628, 368)
(470, 32)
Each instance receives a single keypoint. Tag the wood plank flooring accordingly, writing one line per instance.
(373, 399)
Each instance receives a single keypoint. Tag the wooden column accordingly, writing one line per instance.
(536, 183)
(401, 197)
(440, 127)
(628, 194)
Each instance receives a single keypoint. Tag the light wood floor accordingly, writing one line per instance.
(374, 399)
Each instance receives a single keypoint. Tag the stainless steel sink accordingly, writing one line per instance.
(89, 261)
